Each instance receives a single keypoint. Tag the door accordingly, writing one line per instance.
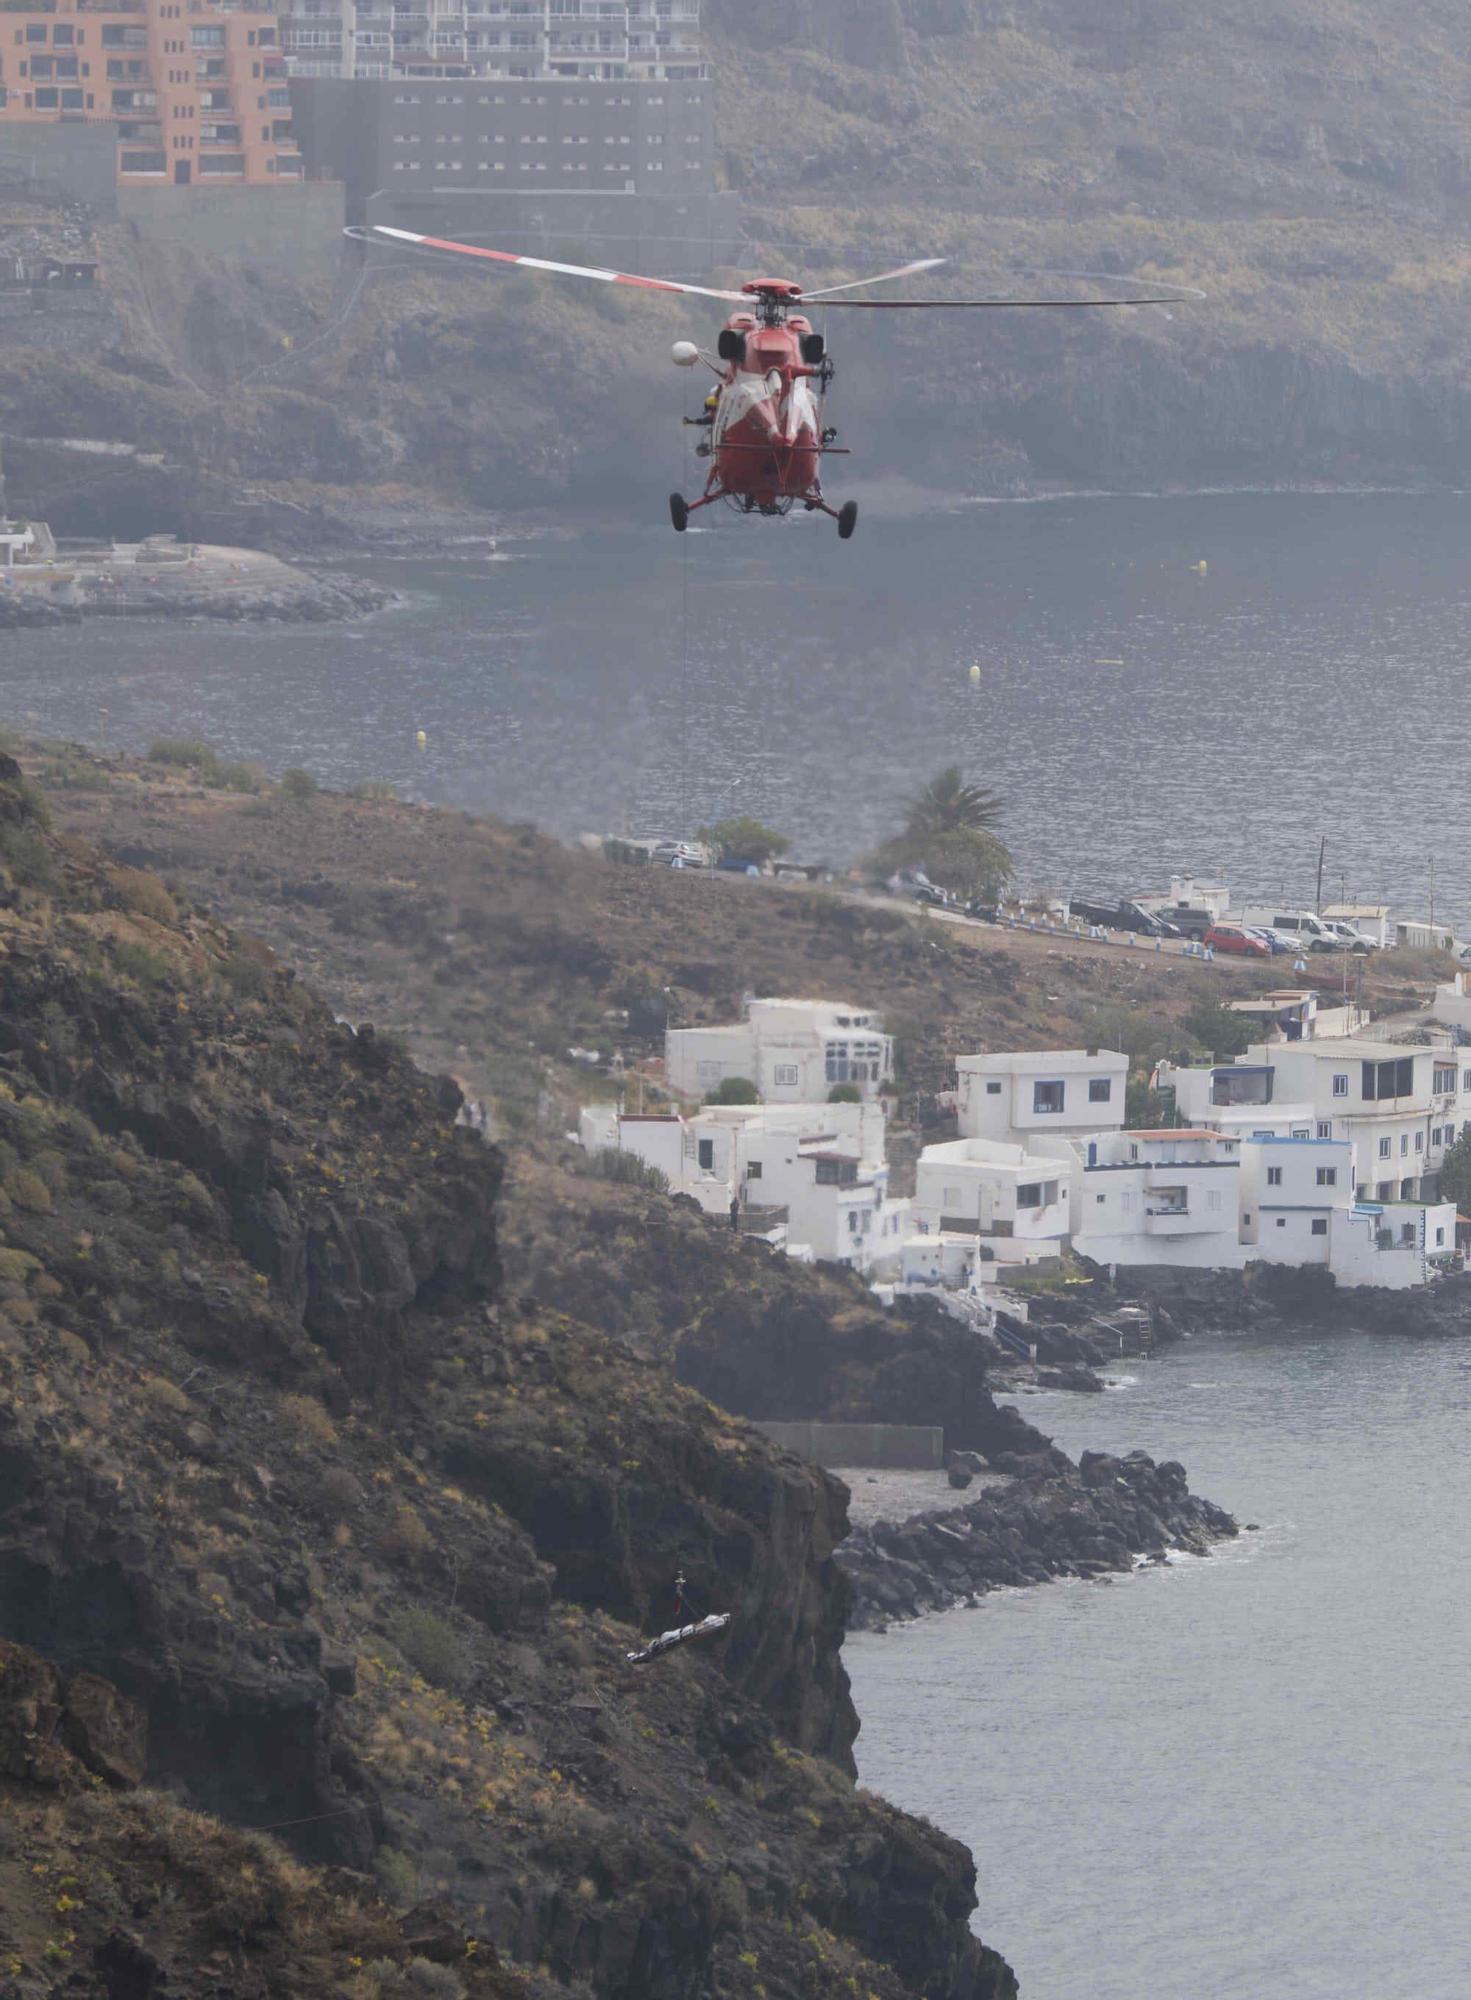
(181, 173)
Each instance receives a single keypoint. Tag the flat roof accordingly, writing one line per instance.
(1177, 1132)
(1052, 1058)
(1335, 1048)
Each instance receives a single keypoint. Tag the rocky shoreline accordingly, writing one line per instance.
(281, 595)
(1051, 1519)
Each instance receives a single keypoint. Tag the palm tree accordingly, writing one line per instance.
(947, 804)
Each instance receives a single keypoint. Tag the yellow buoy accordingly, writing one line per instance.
(421, 739)
(1202, 567)
(975, 673)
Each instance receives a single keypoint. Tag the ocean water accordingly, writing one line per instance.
(1137, 714)
(1243, 1777)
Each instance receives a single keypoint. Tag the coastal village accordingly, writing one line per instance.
(1318, 1147)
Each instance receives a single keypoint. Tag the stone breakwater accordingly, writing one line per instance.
(237, 586)
(1049, 1519)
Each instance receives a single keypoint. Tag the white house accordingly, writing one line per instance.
(815, 1176)
(16, 543)
(1058, 1092)
(1291, 1190)
(1157, 1197)
(1452, 1004)
(1014, 1202)
(793, 1051)
(1299, 1208)
(1400, 1107)
(1416, 934)
(1237, 1098)
(1185, 891)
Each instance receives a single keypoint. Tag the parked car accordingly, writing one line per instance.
(989, 913)
(1232, 938)
(682, 853)
(934, 899)
(1121, 916)
(1275, 941)
(738, 864)
(1185, 921)
(1351, 939)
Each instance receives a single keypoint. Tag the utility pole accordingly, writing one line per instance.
(1322, 850)
(1432, 888)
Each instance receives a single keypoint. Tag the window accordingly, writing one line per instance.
(950, 1199)
(753, 1170)
(1213, 1198)
(1274, 1177)
(1389, 1079)
(836, 1173)
(1466, 1079)
(1340, 1082)
(1299, 1131)
(1320, 1225)
(1419, 1142)
(1382, 1190)
(1439, 1238)
(1443, 1080)
(786, 1076)
(1325, 1128)
(1327, 1177)
(1281, 1221)
(1404, 1145)
(1385, 1149)
(709, 1072)
(1100, 1089)
(994, 1089)
(1029, 1195)
(707, 1154)
(1100, 1197)
(1048, 1097)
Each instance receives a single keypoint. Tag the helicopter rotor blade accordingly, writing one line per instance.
(994, 305)
(904, 271)
(419, 242)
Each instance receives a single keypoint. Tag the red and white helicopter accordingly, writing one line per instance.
(768, 434)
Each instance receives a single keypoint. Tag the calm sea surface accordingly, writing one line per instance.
(1241, 1778)
(1137, 715)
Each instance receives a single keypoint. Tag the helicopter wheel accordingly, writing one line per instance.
(679, 512)
(847, 520)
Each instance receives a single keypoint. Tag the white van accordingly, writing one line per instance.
(1314, 933)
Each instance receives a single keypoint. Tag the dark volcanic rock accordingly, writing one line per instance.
(1050, 1521)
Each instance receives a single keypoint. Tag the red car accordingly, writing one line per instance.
(1229, 937)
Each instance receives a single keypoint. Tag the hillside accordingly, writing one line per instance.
(1305, 162)
(495, 950)
(363, 1536)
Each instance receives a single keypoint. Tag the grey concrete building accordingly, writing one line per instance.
(532, 124)
(603, 41)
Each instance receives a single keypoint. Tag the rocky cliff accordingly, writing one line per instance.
(364, 1539)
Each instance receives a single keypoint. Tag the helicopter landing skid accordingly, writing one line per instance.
(846, 516)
